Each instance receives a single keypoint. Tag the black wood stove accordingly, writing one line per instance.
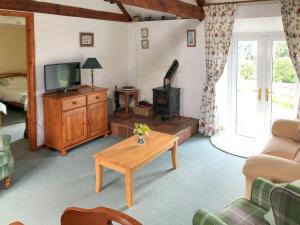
(166, 99)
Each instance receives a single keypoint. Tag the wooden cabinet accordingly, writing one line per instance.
(74, 129)
(74, 117)
(97, 114)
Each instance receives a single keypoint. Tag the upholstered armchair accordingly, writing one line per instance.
(284, 202)
(280, 158)
(6, 161)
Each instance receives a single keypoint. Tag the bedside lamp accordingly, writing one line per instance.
(92, 63)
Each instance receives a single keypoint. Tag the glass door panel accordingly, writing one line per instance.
(247, 91)
(284, 84)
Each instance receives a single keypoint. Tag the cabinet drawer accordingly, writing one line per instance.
(73, 103)
(99, 97)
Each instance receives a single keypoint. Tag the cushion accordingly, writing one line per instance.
(296, 156)
(4, 158)
(261, 190)
(269, 217)
(243, 212)
(4, 82)
(1, 142)
(281, 147)
(295, 187)
(296, 138)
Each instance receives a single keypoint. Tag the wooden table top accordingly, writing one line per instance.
(128, 154)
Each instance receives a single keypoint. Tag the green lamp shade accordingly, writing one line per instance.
(91, 63)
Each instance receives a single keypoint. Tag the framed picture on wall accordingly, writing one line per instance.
(191, 38)
(145, 44)
(86, 39)
(144, 33)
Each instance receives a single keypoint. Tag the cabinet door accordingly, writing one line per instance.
(74, 126)
(97, 118)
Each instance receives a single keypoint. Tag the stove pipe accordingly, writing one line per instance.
(170, 74)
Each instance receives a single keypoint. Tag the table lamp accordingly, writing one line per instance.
(92, 63)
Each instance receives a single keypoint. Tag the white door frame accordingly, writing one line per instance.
(264, 66)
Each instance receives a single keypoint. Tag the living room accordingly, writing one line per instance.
(127, 52)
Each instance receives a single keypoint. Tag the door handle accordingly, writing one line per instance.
(259, 92)
(268, 92)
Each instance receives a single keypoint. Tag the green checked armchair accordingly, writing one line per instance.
(6, 161)
(284, 202)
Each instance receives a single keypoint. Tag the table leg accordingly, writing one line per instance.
(6, 182)
(129, 188)
(99, 175)
(174, 155)
(126, 98)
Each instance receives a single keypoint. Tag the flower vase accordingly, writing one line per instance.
(141, 140)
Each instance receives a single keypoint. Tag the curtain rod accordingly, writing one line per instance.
(239, 2)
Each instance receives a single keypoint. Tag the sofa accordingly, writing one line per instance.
(284, 200)
(279, 161)
(6, 161)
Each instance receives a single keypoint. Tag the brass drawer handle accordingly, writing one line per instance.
(97, 97)
(74, 102)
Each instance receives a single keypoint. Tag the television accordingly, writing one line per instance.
(62, 76)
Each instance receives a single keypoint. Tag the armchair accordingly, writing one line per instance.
(280, 159)
(265, 195)
(6, 161)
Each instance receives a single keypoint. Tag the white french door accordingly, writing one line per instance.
(262, 84)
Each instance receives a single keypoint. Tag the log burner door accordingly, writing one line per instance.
(161, 103)
(162, 100)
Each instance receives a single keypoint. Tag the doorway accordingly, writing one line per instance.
(30, 72)
(264, 84)
(261, 86)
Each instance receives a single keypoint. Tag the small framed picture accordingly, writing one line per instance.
(86, 39)
(144, 33)
(191, 38)
(145, 44)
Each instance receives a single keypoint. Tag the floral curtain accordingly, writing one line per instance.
(290, 10)
(218, 32)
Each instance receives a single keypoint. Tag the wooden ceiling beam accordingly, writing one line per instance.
(240, 2)
(62, 10)
(174, 7)
(124, 11)
(201, 2)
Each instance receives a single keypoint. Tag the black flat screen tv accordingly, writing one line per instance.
(62, 76)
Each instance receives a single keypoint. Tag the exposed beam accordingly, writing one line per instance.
(240, 2)
(175, 7)
(201, 2)
(57, 9)
(124, 11)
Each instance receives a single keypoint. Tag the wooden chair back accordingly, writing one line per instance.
(97, 216)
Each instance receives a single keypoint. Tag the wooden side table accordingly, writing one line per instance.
(127, 97)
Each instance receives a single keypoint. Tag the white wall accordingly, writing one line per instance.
(168, 42)
(57, 40)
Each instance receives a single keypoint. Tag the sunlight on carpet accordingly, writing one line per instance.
(238, 145)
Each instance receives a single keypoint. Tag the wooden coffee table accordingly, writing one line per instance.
(128, 156)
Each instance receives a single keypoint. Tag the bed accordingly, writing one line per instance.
(13, 89)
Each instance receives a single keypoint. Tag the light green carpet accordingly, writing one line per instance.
(44, 184)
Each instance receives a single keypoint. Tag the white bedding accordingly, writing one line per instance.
(14, 89)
